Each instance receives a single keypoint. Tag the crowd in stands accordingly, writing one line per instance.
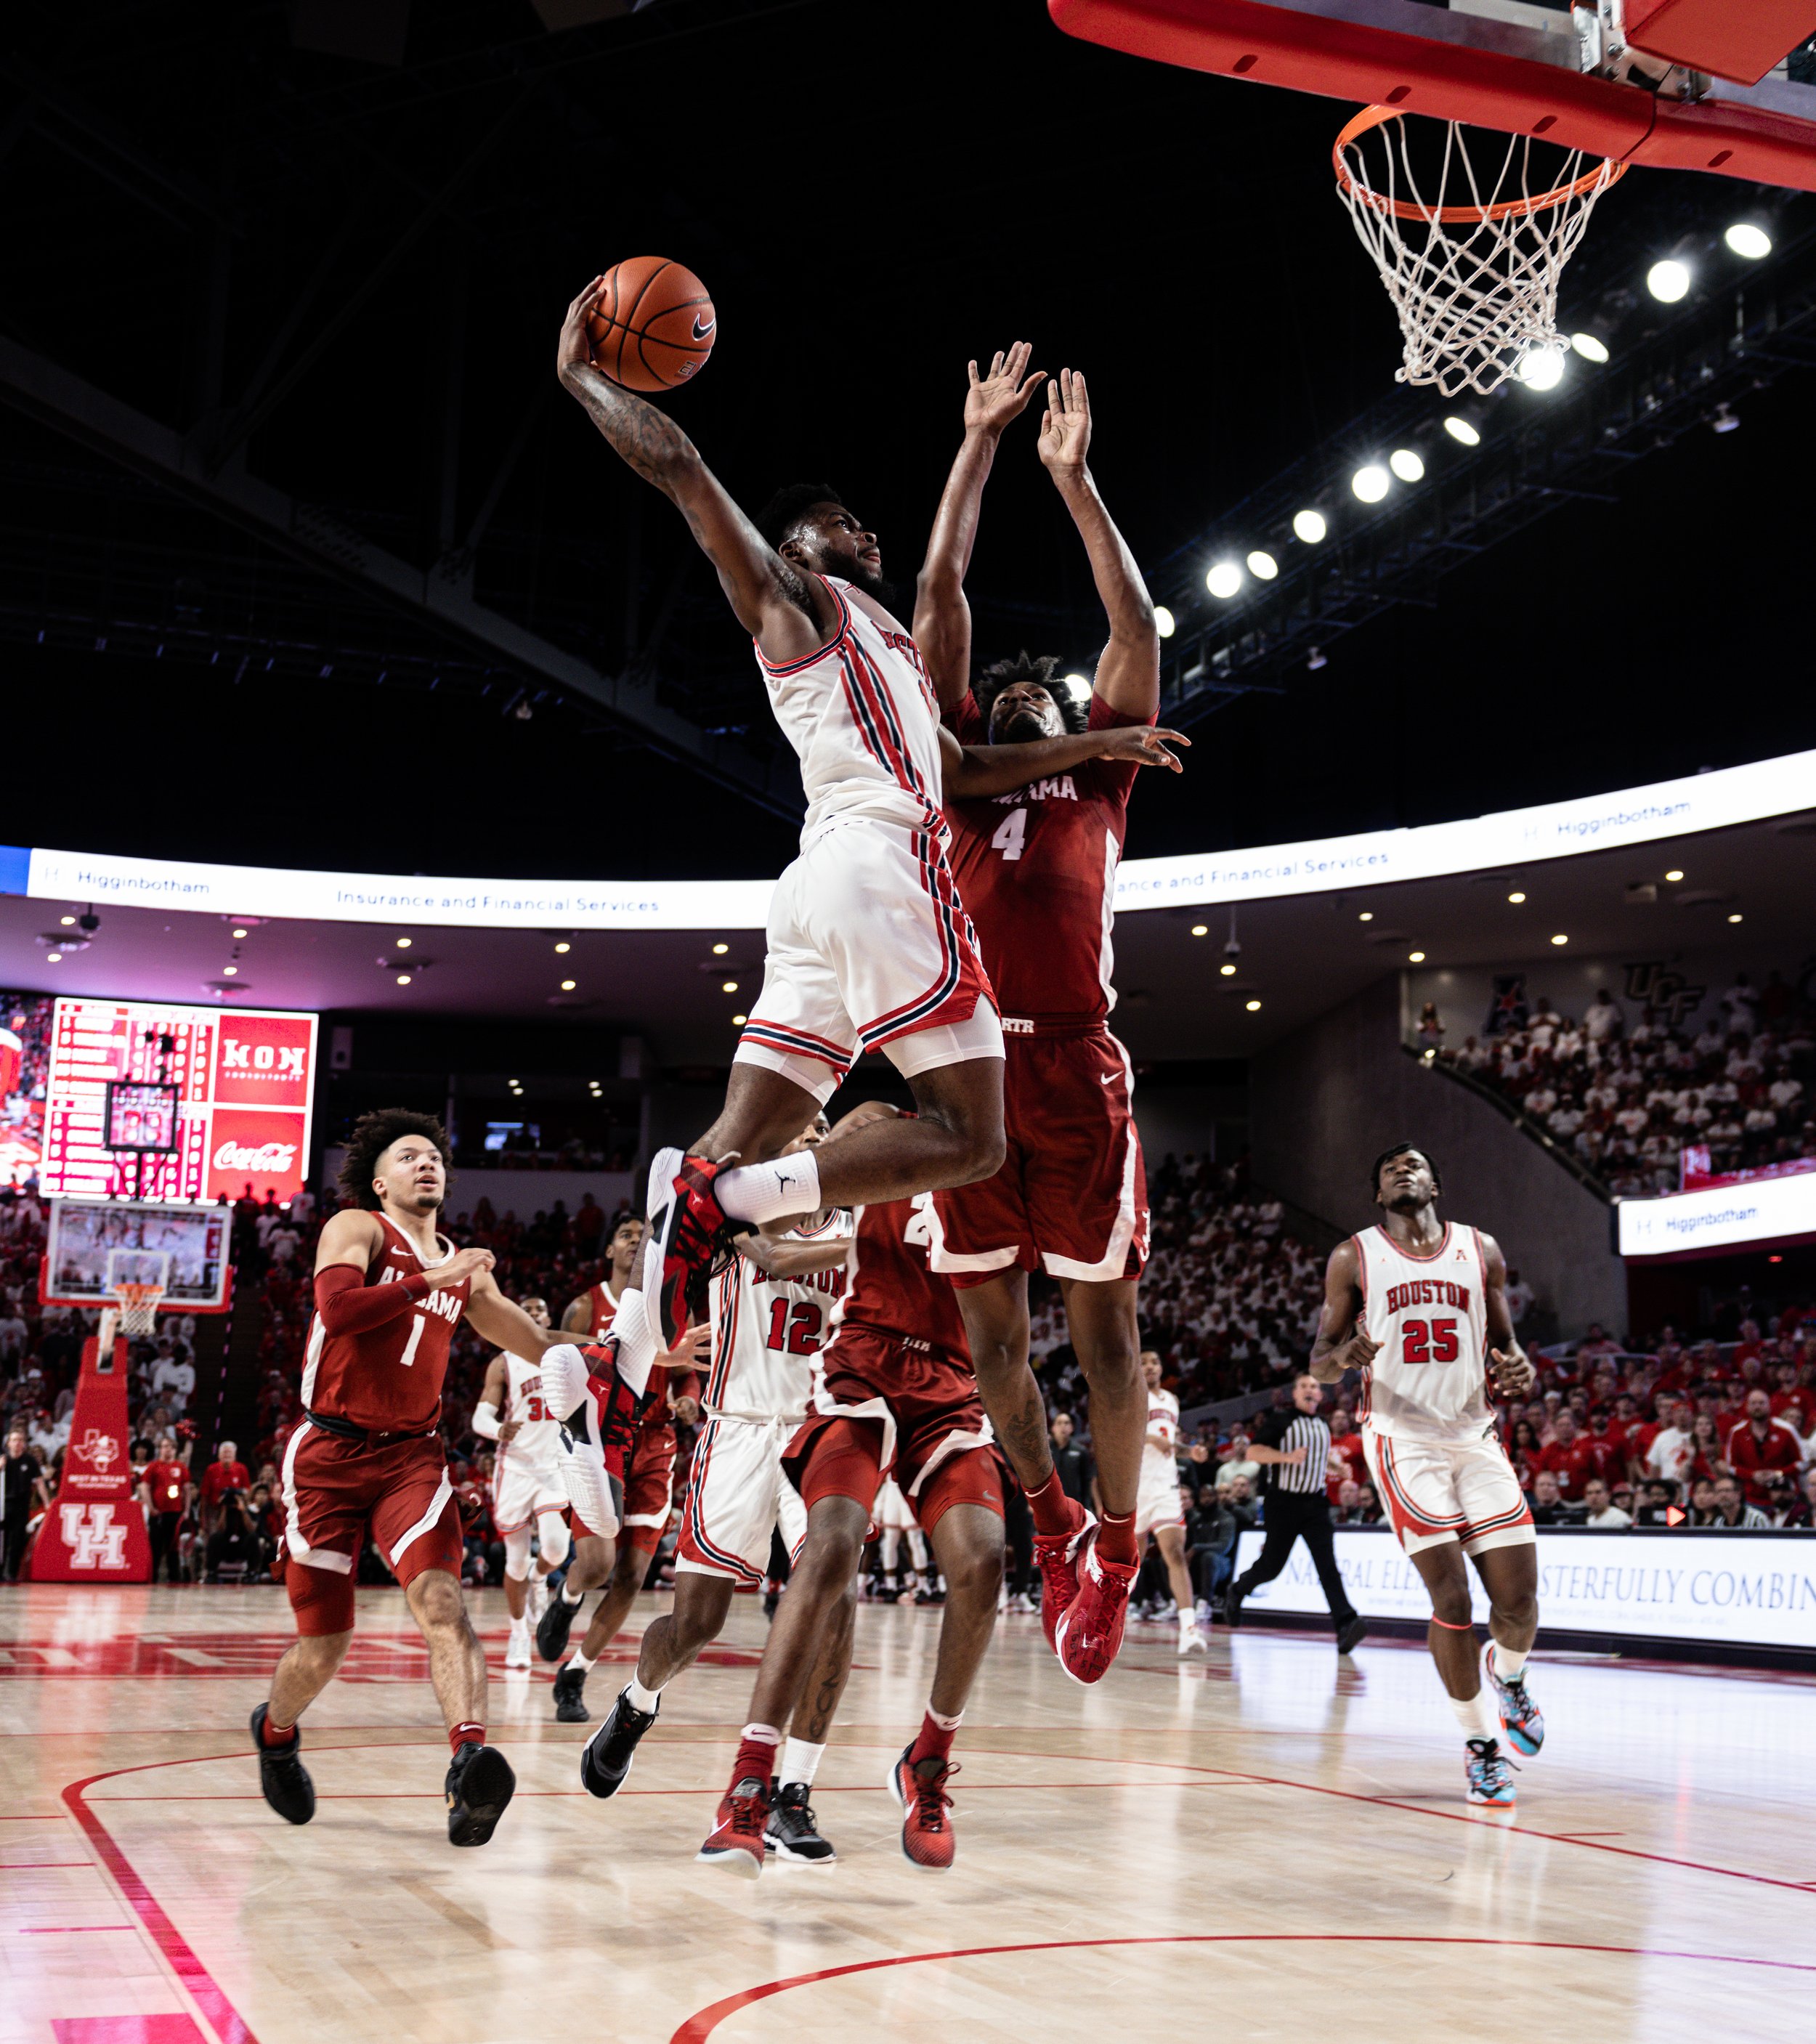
(1627, 1092)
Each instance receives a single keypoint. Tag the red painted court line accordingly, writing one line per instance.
(698, 2027)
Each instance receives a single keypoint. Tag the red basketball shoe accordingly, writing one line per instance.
(685, 1224)
(1056, 1556)
(736, 1840)
(920, 1794)
(1090, 1635)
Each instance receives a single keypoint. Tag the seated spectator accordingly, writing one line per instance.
(1571, 1457)
(1802, 1512)
(1548, 1506)
(1660, 1498)
(1732, 1509)
(1599, 1509)
(1238, 1496)
(1702, 1505)
(1210, 1530)
(1236, 1466)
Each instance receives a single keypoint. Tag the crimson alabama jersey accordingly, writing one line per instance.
(1037, 870)
(891, 1287)
(389, 1378)
(1429, 1312)
(766, 1331)
(863, 719)
(656, 1415)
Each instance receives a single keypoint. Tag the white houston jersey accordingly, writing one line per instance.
(1160, 1467)
(863, 721)
(1429, 1314)
(767, 1330)
(536, 1445)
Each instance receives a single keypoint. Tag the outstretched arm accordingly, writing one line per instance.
(971, 770)
(789, 614)
(942, 616)
(1128, 672)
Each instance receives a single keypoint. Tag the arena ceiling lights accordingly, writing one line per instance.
(1367, 858)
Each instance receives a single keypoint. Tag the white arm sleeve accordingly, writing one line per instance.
(485, 1420)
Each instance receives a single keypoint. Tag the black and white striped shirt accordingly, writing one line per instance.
(1288, 1428)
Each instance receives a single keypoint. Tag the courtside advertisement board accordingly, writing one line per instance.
(243, 1077)
(1719, 1218)
(1736, 1589)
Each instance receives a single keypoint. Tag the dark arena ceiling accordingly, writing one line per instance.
(307, 560)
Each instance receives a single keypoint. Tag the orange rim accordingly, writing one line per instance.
(1608, 172)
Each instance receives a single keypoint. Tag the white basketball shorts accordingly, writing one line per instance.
(520, 1490)
(1157, 1504)
(869, 948)
(737, 1497)
(1436, 1491)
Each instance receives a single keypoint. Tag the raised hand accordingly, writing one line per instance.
(1002, 395)
(464, 1264)
(575, 349)
(1143, 744)
(1065, 424)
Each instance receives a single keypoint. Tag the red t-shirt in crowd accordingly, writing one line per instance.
(1752, 1458)
(220, 1477)
(1796, 1405)
(1572, 1465)
(168, 1481)
(1348, 1447)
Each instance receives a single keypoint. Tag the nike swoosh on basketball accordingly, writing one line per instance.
(700, 332)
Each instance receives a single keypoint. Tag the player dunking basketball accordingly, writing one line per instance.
(389, 1291)
(1038, 869)
(1419, 1306)
(869, 946)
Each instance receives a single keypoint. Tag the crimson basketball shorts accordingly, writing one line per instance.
(1072, 1195)
(1436, 1491)
(649, 1486)
(869, 948)
(334, 1490)
(885, 1406)
(738, 1498)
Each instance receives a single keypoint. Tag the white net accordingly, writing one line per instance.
(1470, 241)
(137, 1307)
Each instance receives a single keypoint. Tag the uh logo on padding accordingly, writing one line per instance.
(92, 1538)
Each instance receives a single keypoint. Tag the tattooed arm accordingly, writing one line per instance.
(789, 614)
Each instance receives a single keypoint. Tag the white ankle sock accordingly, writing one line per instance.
(577, 1659)
(800, 1761)
(1508, 1665)
(1477, 1716)
(571, 1597)
(766, 1192)
(642, 1698)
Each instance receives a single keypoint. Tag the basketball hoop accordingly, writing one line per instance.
(1473, 269)
(137, 1310)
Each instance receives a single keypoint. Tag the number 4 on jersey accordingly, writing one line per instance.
(1012, 834)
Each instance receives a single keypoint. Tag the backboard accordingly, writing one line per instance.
(1687, 85)
(96, 1244)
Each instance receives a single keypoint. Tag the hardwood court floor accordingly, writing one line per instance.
(1266, 1844)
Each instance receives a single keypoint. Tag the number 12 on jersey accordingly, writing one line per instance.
(794, 1329)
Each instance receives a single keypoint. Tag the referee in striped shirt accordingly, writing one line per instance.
(1293, 1448)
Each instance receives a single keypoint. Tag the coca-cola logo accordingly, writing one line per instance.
(255, 1157)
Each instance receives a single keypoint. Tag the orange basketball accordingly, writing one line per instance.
(654, 325)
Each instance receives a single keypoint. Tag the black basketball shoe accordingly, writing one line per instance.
(793, 1831)
(281, 1774)
(570, 1696)
(554, 1625)
(605, 1759)
(480, 1783)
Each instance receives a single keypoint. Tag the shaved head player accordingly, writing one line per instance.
(1039, 869)
(1419, 1306)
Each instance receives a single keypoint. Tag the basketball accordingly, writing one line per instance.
(654, 326)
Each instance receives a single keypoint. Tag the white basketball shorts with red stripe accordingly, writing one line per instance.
(1435, 1491)
(869, 948)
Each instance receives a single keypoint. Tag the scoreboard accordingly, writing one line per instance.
(242, 1077)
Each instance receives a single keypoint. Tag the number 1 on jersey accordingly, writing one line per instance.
(418, 1322)
(1012, 834)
